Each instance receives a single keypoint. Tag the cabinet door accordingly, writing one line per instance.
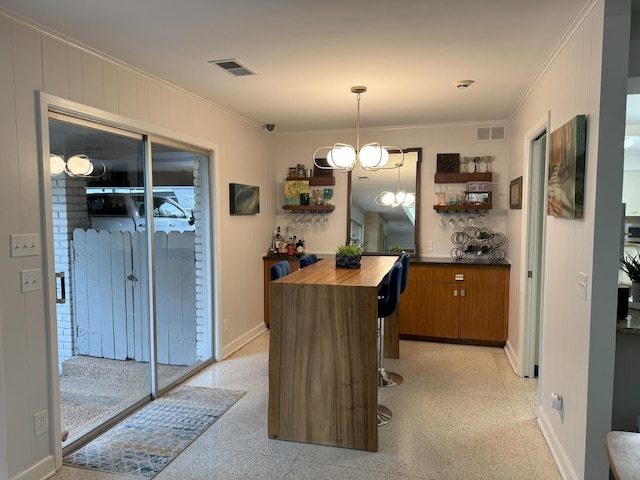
(407, 314)
(483, 300)
(437, 309)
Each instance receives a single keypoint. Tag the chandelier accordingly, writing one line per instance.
(76, 166)
(343, 157)
(398, 199)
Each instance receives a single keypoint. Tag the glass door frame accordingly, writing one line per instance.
(47, 103)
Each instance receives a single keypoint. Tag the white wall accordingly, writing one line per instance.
(294, 149)
(578, 336)
(34, 61)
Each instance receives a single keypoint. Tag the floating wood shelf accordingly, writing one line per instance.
(315, 181)
(463, 177)
(462, 208)
(309, 208)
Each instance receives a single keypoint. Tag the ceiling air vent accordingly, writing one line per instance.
(233, 67)
(487, 134)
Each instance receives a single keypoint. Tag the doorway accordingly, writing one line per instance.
(535, 212)
(127, 210)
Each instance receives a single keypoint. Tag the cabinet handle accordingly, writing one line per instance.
(455, 293)
(463, 293)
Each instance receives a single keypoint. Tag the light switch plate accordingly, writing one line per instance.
(25, 244)
(583, 279)
(30, 280)
(429, 246)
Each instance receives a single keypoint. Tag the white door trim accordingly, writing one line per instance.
(531, 231)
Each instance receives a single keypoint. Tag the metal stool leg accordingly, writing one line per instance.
(385, 378)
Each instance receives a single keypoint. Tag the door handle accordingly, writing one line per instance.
(463, 293)
(63, 296)
(455, 293)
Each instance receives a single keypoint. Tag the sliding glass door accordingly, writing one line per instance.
(131, 254)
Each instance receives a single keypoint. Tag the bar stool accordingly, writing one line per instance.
(280, 269)
(388, 378)
(386, 306)
(307, 260)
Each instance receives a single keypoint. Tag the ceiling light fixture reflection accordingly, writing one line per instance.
(343, 157)
(397, 199)
(76, 166)
(628, 141)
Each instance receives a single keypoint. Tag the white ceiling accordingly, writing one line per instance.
(309, 54)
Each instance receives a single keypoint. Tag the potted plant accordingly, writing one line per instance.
(630, 265)
(349, 256)
(395, 248)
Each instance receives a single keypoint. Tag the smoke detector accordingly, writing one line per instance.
(462, 84)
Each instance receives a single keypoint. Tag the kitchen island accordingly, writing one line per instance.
(323, 372)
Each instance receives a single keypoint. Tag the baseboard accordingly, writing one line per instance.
(558, 453)
(45, 468)
(241, 341)
(512, 357)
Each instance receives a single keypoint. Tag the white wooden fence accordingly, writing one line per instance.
(110, 284)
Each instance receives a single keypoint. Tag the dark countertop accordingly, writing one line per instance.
(470, 260)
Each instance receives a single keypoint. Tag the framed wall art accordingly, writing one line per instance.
(567, 152)
(515, 194)
(244, 199)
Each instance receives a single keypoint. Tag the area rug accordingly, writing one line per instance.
(147, 441)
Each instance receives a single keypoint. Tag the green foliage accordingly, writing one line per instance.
(395, 248)
(353, 248)
(631, 266)
(349, 250)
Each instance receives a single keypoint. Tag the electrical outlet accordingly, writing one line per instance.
(40, 423)
(30, 280)
(225, 325)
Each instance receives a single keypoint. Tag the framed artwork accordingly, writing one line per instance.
(244, 199)
(515, 194)
(567, 151)
(293, 189)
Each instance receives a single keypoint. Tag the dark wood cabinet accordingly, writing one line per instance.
(461, 303)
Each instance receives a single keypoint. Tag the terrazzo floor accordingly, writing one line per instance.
(461, 413)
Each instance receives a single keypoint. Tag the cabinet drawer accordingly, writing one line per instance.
(437, 274)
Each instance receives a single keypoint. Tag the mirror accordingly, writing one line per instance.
(380, 228)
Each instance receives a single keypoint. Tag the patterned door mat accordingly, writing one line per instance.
(145, 442)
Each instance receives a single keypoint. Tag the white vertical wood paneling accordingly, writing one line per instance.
(127, 93)
(110, 86)
(55, 66)
(154, 93)
(24, 374)
(7, 310)
(92, 80)
(76, 82)
(27, 58)
(142, 97)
